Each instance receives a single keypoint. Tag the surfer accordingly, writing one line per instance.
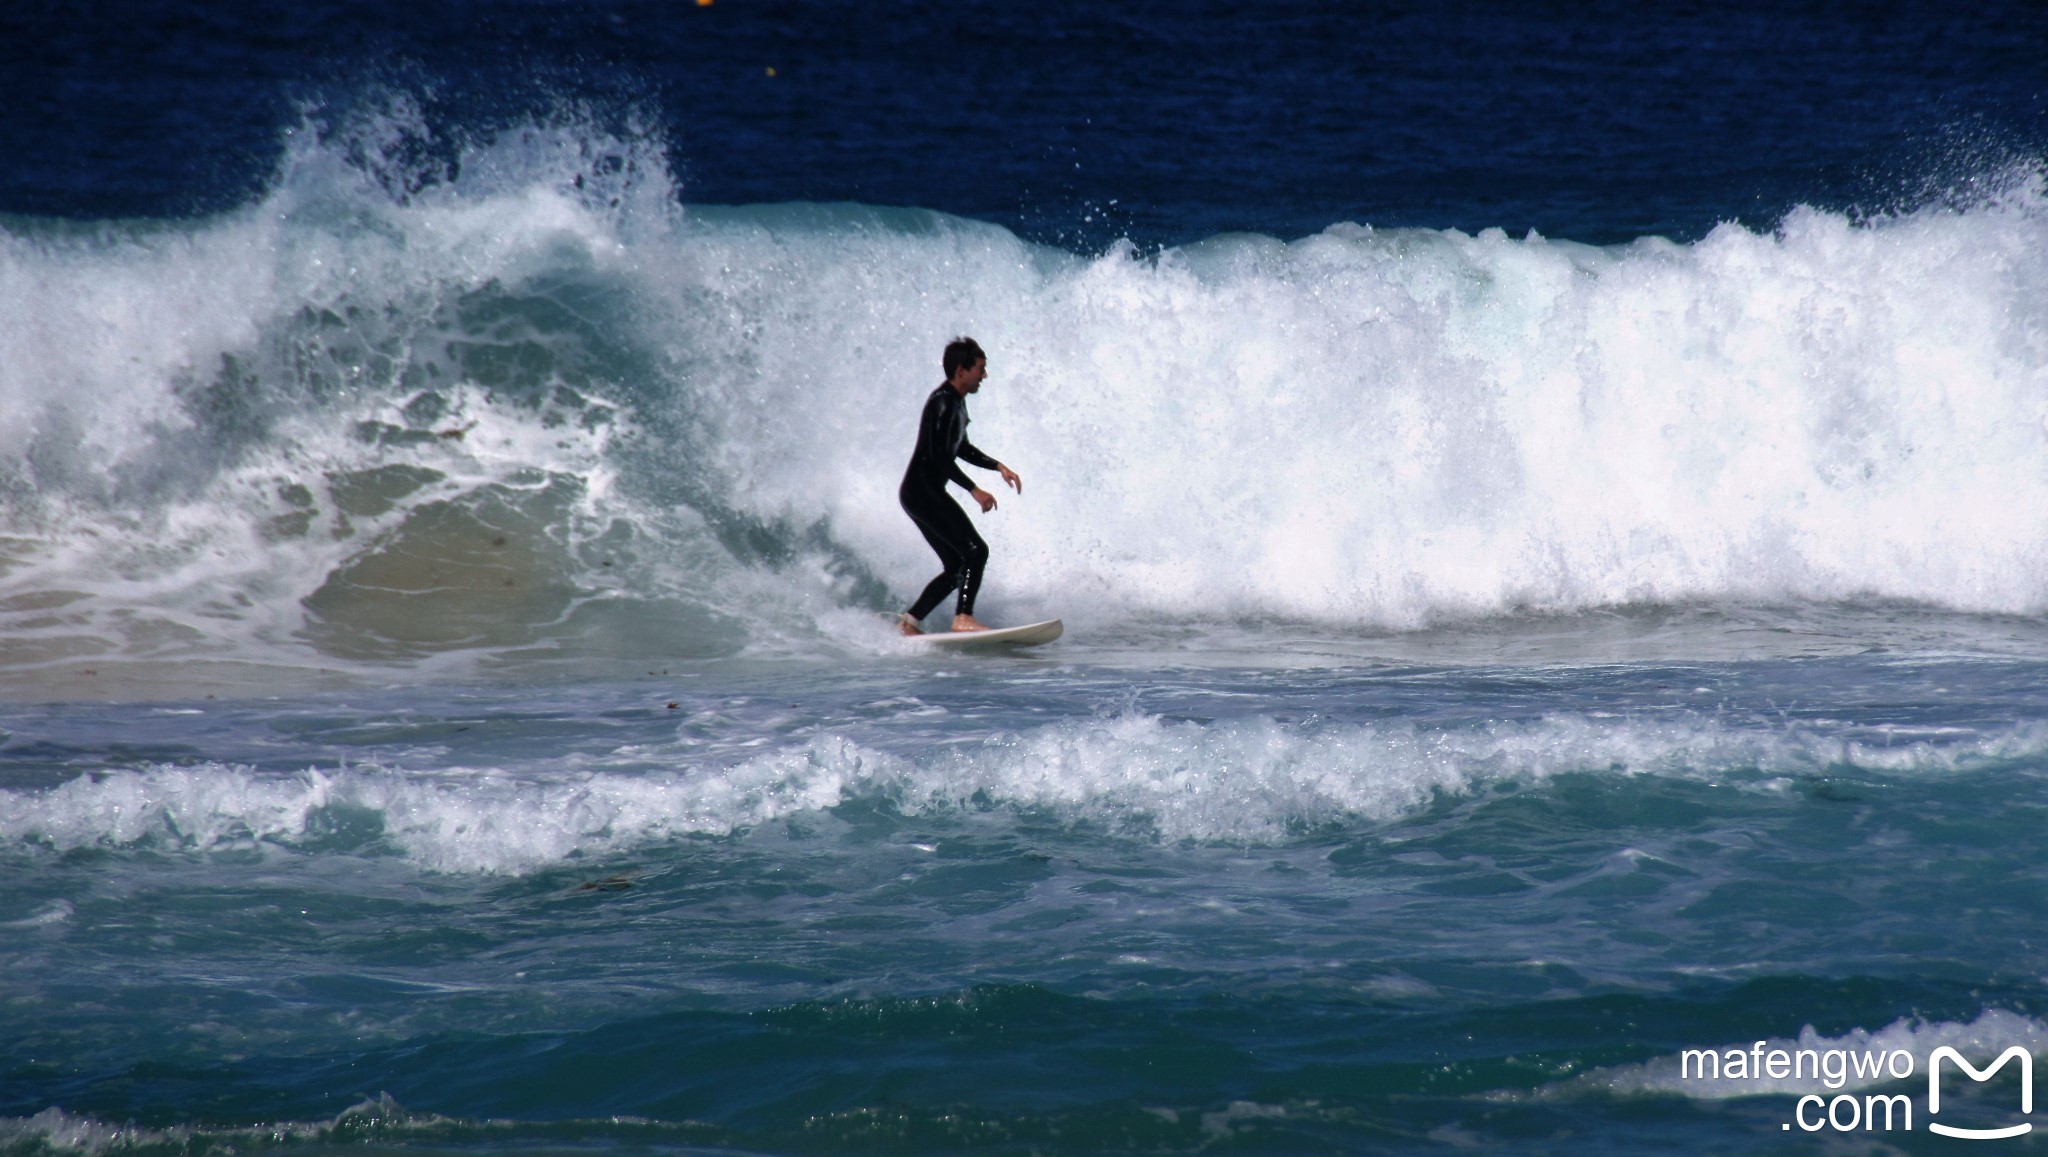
(941, 439)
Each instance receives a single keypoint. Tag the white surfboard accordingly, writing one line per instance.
(1028, 635)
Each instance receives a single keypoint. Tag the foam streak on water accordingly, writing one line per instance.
(1250, 780)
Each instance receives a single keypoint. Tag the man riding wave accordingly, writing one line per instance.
(941, 445)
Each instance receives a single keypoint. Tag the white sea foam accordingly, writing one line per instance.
(1395, 427)
(54, 1130)
(1361, 427)
(1250, 781)
(466, 821)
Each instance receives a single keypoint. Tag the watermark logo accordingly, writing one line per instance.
(1835, 1069)
(2015, 1053)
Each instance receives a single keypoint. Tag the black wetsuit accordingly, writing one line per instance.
(941, 438)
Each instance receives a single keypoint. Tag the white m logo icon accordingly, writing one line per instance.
(2026, 1060)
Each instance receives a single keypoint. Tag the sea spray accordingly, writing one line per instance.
(506, 405)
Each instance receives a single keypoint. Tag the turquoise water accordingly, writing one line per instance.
(1017, 904)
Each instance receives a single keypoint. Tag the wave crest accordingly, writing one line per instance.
(1247, 781)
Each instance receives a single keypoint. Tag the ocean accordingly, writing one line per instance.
(1549, 505)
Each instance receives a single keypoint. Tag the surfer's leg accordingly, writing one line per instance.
(934, 591)
(974, 558)
(940, 520)
(965, 554)
(952, 534)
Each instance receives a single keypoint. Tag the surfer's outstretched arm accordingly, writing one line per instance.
(976, 456)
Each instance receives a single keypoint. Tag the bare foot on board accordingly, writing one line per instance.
(908, 625)
(967, 623)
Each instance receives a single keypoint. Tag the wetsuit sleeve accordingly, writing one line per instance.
(976, 457)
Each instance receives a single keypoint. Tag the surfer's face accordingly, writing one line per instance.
(967, 379)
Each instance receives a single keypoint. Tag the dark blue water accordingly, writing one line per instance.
(1080, 123)
(1546, 502)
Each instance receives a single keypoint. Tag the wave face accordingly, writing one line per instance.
(527, 405)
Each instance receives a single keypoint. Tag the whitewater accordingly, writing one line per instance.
(526, 405)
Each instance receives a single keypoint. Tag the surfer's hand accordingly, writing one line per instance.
(1010, 476)
(987, 500)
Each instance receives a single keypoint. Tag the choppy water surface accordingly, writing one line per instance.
(1014, 904)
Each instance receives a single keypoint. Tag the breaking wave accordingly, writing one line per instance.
(529, 404)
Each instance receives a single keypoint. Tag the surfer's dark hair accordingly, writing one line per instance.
(962, 352)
